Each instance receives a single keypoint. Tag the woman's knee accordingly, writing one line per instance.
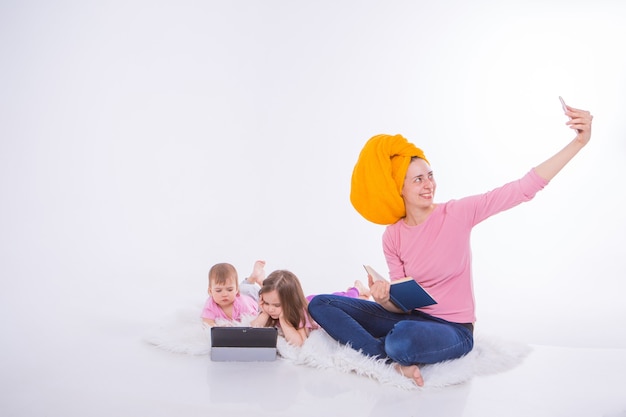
(412, 342)
(399, 344)
(319, 302)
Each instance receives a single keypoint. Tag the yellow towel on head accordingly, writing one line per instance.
(378, 176)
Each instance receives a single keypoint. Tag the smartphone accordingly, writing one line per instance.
(563, 103)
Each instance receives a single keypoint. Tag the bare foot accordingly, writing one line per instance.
(411, 371)
(364, 292)
(258, 273)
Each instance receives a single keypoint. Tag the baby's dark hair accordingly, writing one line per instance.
(221, 273)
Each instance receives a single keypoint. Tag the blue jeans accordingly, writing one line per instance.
(408, 339)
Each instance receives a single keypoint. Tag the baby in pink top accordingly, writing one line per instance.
(225, 303)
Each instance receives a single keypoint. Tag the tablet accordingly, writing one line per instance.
(243, 344)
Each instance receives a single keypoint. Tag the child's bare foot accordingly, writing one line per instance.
(258, 273)
(364, 292)
(411, 371)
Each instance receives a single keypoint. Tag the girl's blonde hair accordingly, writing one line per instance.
(292, 299)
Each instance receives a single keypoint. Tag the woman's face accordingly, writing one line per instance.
(419, 186)
(270, 303)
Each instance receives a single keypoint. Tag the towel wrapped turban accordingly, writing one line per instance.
(378, 177)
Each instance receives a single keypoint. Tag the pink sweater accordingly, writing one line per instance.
(437, 252)
(243, 305)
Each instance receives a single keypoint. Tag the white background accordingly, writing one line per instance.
(141, 142)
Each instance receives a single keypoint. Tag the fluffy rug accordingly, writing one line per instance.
(185, 333)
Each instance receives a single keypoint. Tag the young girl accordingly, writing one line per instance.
(283, 305)
(225, 302)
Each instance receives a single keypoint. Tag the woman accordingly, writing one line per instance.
(393, 184)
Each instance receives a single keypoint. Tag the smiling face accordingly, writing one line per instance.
(270, 303)
(418, 190)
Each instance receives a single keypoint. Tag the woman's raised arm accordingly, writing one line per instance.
(580, 120)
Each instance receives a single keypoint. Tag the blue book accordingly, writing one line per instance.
(407, 294)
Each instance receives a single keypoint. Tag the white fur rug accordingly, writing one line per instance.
(185, 333)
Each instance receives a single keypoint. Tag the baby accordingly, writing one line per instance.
(225, 303)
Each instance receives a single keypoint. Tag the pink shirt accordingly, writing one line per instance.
(243, 305)
(308, 324)
(437, 252)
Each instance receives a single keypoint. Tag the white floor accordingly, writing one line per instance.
(107, 370)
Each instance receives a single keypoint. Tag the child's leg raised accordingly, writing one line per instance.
(258, 273)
